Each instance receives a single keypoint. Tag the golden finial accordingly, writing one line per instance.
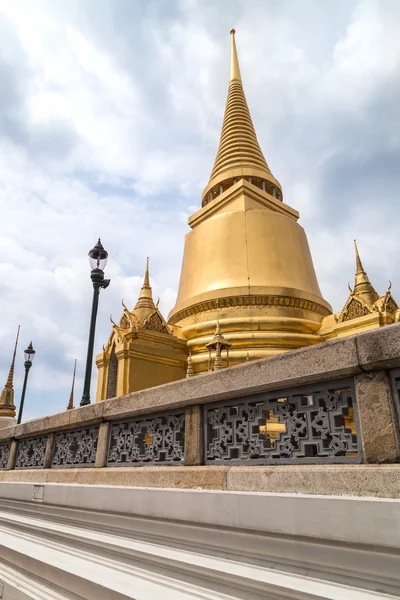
(71, 397)
(146, 282)
(235, 70)
(359, 267)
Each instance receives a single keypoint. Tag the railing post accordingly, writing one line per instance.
(102, 444)
(378, 420)
(12, 455)
(194, 436)
(48, 457)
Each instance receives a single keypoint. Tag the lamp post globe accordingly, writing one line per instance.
(98, 257)
(29, 355)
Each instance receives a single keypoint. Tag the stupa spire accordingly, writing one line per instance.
(145, 299)
(239, 154)
(7, 408)
(362, 285)
(71, 397)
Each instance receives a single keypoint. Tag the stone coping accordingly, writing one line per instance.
(372, 481)
(345, 357)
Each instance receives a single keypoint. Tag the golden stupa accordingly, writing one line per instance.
(246, 260)
(247, 285)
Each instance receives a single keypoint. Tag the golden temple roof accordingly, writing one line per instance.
(145, 315)
(239, 154)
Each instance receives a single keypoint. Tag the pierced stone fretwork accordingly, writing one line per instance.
(312, 424)
(152, 440)
(76, 448)
(4, 454)
(30, 453)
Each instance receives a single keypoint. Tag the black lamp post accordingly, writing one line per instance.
(98, 260)
(29, 355)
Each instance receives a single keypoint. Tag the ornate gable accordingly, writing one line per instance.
(353, 309)
(156, 322)
(390, 304)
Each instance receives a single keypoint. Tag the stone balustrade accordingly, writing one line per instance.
(334, 403)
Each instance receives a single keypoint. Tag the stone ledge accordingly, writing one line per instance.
(336, 359)
(378, 481)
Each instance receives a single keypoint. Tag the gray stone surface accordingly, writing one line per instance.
(379, 349)
(378, 420)
(372, 481)
(163, 477)
(48, 457)
(102, 444)
(194, 435)
(12, 456)
(7, 433)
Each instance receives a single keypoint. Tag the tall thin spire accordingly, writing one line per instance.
(362, 285)
(7, 408)
(359, 267)
(239, 154)
(71, 397)
(235, 69)
(146, 281)
(10, 378)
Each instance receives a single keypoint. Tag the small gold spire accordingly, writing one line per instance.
(235, 69)
(146, 296)
(71, 397)
(218, 343)
(189, 370)
(362, 286)
(7, 408)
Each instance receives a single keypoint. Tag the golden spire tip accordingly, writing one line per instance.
(232, 31)
(359, 266)
(235, 70)
(146, 281)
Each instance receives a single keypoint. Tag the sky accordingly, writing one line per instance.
(110, 115)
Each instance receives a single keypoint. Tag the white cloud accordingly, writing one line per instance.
(109, 126)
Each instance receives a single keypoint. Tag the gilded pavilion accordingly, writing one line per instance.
(247, 278)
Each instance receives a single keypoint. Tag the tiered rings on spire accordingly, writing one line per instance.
(239, 154)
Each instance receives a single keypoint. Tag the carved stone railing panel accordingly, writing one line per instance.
(31, 453)
(4, 454)
(395, 379)
(310, 424)
(150, 440)
(75, 448)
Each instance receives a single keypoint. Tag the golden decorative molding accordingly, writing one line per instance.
(256, 301)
